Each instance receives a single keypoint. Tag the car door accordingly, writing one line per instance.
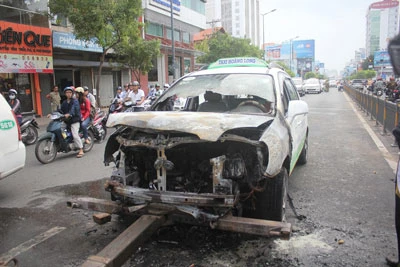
(296, 117)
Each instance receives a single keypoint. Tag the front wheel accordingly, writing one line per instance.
(45, 151)
(30, 135)
(270, 204)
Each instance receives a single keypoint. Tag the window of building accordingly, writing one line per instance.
(186, 37)
(153, 73)
(177, 35)
(198, 6)
(24, 13)
(154, 29)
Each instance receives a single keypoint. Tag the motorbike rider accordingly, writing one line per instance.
(71, 109)
(84, 105)
(15, 104)
(137, 96)
(391, 86)
(89, 96)
(378, 85)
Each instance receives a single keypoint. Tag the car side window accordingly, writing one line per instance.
(292, 92)
(285, 93)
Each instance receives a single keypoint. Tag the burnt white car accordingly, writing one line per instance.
(230, 149)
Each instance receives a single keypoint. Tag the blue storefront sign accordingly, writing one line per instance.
(67, 40)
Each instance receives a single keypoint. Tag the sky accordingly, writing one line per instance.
(337, 26)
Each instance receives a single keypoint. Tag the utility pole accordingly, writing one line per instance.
(212, 23)
(173, 41)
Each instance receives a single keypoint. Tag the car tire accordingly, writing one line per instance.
(304, 153)
(271, 202)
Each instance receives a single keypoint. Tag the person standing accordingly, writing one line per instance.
(137, 96)
(72, 112)
(15, 104)
(55, 98)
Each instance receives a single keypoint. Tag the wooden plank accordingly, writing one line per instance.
(120, 249)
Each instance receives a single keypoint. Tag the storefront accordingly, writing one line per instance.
(26, 63)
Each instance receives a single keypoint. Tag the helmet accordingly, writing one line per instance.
(392, 78)
(135, 83)
(166, 85)
(126, 85)
(157, 85)
(68, 88)
(85, 88)
(79, 90)
(13, 91)
(119, 88)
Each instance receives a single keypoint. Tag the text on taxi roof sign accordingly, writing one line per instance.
(238, 62)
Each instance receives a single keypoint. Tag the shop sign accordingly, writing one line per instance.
(25, 48)
(67, 40)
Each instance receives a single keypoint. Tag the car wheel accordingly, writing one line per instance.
(271, 202)
(304, 153)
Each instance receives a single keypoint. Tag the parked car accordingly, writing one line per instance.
(298, 82)
(312, 85)
(12, 152)
(231, 148)
(358, 84)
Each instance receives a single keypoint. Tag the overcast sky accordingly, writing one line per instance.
(337, 26)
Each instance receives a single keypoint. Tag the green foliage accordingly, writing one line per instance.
(367, 62)
(138, 56)
(221, 45)
(309, 75)
(364, 74)
(107, 22)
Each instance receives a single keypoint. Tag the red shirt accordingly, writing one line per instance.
(85, 109)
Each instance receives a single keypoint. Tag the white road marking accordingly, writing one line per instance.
(390, 159)
(12, 253)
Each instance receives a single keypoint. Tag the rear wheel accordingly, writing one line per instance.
(45, 151)
(270, 204)
(88, 147)
(304, 153)
(31, 135)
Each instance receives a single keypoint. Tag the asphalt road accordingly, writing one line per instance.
(345, 192)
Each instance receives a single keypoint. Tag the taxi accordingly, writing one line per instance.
(230, 147)
(12, 152)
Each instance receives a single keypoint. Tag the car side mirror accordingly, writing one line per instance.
(394, 52)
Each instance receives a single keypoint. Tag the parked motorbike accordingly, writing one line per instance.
(99, 125)
(29, 131)
(58, 138)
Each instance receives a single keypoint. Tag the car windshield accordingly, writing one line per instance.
(311, 81)
(233, 88)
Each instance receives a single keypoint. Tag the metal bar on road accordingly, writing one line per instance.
(120, 249)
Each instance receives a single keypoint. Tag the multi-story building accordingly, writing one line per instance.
(382, 24)
(239, 18)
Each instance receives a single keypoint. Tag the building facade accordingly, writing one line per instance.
(382, 24)
(239, 18)
(188, 19)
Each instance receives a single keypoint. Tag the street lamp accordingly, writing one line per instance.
(291, 52)
(263, 15)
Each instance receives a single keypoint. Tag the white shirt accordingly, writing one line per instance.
(137, 97)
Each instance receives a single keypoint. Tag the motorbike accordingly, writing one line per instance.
(29, 130)
(58, 138)
(340, 88)
(99, 125)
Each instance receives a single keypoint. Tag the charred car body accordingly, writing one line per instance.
(230, 149)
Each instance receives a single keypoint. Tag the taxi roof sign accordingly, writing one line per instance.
(238, 62)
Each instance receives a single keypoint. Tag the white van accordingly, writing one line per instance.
(12, 150)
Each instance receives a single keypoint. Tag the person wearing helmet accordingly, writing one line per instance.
(84, 105)
(71, 109)
(391, 86)
(15, 104)
(137, 96)
(89, 96)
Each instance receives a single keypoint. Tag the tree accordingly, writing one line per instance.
(106, 22)
(138, 56)
(222, 45)
(310, 75)
(285, 67)
(364, 74)
(367, 62)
